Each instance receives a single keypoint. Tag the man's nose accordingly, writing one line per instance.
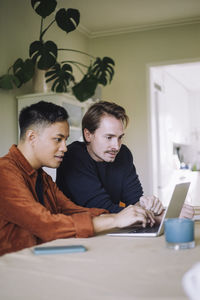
(116, 144)
(63, 147)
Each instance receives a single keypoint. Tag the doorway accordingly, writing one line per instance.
(175, 125)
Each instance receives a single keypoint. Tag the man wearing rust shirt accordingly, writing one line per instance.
(32, 209)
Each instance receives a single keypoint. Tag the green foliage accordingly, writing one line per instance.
(8, 82)
(85, 88)
(68, 20)
(62, 76)
(44, 8)
(23, 70)
(102, 70)
(44, 55)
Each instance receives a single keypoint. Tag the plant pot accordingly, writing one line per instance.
(39, 84)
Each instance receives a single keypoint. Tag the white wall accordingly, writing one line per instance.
(19, 26)
(194, 150)
(132, 54)
(177, 104)
(170, 129)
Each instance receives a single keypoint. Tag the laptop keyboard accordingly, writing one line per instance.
(144, 230)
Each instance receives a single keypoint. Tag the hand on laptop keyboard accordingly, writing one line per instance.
(152, 204)
(134, 214)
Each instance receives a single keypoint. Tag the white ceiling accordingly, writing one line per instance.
(105, 17)
(108, 17)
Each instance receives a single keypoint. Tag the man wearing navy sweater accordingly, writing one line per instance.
(99, 172)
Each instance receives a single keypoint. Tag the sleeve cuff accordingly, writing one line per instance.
(83, 225)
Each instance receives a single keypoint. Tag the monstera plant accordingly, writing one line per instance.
(44, 55)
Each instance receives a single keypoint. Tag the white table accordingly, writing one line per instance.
(113, 268)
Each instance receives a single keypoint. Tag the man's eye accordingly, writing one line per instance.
(58, 140)
(109, 137)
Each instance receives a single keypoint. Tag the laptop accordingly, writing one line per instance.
(172, 211)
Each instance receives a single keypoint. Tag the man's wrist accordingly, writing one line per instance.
(104, 222)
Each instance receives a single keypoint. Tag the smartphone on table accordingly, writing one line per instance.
(59, 249)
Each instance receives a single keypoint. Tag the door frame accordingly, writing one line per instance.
(152, 139)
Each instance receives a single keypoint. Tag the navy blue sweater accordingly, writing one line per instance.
(98, 184)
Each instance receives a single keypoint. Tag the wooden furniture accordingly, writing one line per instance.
(113, 268)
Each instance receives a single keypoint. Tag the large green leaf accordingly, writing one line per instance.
(103, 70)
(44, 7)
(44, 53)
(85, 89)
(67, 20)
(8, 82)
(23, 70)
(61, 76)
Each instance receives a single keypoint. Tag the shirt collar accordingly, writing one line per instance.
(21, 161)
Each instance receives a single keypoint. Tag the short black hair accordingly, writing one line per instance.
(92, 117)
(41, 113)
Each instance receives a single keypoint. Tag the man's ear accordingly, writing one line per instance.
(87, 135)
(31, 135)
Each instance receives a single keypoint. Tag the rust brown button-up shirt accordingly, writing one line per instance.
(24, 222)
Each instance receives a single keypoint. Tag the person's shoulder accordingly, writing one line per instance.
(75, 146)
(125, 150)
(8, 165)
(7, 159)
(76, 151)
(75, 158)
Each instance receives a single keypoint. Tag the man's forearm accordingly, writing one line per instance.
(104, 222)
